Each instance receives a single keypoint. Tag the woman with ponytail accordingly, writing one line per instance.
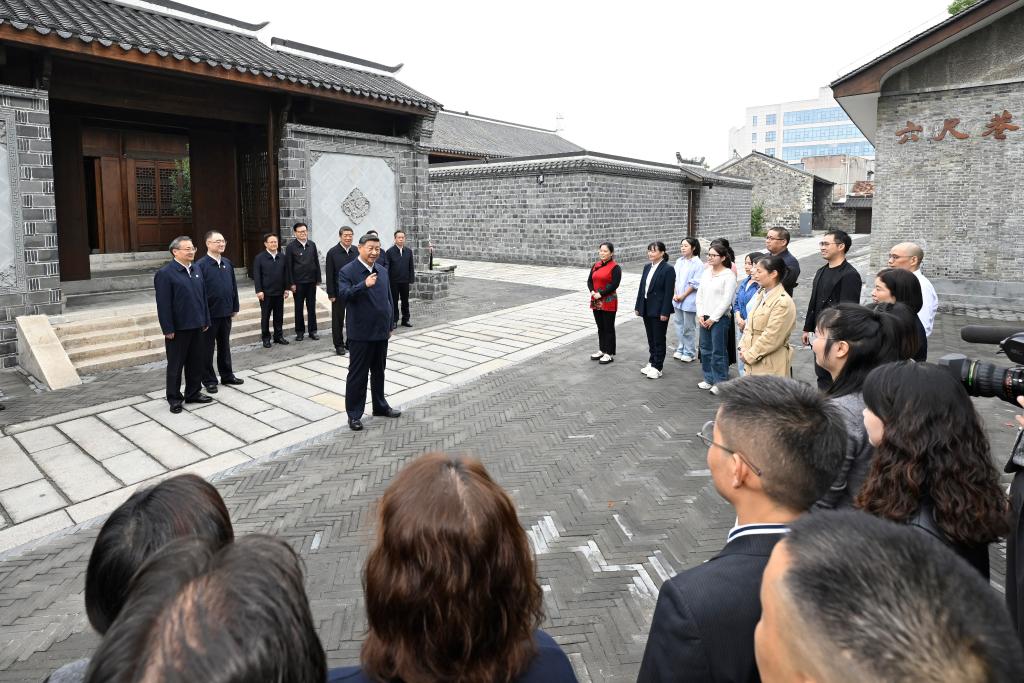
(850, 341)
(932, 467)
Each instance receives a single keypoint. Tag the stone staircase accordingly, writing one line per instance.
(100, 340)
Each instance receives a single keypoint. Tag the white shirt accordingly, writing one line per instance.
(931, 302)
(715, 293)
(650, 277)
(365, 264)
(755, 529)
(215, 258)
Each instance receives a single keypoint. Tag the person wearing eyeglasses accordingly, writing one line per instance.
(222, 296)
(184, 315)
(771, 471)
(908, 256)
(777, 244)
(834, 283)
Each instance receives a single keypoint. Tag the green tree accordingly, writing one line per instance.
(958, 6)
(181, 198)
(757, 220)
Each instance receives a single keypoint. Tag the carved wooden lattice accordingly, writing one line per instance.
(255, 199)
(145, 192)
(168, 181)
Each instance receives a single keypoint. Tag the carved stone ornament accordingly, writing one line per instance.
(391, 163)
(356, 206)
(314, 157)
(3, 132)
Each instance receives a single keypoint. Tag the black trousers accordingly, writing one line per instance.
(305, 295)
(187, 351)
(272, 305)
(217, 335)
(1015, 556)
(657, 330)
(365, 358)
(606, 331)
(401, 289)
(338, 322)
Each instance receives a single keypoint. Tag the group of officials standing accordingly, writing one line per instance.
(197, 301)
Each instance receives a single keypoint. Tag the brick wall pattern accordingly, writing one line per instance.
(784, 192)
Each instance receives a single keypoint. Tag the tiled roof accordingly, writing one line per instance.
(463, 134)
(858, 202)
(124, 28)
(775, 161)
(863, 188)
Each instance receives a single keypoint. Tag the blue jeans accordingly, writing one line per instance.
(739, 360)
(714, 354)
(686, 332)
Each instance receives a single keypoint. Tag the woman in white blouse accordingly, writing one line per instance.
(714, 308)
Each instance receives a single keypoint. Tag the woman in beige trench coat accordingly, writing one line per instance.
(765, 345)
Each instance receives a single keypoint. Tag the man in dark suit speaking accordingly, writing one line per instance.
(773, 450)
(184, 315)
(366, 291)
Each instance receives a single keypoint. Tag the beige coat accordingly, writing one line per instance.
(766, 335)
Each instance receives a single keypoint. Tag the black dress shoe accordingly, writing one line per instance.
(391, 412)
(407, 324)
(176, 408)
(199, 398)
(314, 336)
(232, 380)
(267, 344)
(355, 425)
(211, 388)
(283, 341)
(339, 351)
(299, 336)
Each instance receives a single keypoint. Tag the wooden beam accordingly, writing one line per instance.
(117, 55)
(869, 80)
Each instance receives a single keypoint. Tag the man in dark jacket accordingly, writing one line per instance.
(184, 315)
(771, 471)
(402, 271)
(835, 282)
(777, 243)
(302, 265)
(222, 297)
(268, 274)
(363, 286)
(339, 256)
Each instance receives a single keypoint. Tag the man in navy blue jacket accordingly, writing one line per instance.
(268, 274)
(184, 315)
(302, 270)
(364, 287)
(222, 297)
(402, 269)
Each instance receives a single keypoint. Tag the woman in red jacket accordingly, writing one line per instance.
(603, 282)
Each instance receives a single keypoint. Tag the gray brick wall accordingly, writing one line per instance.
(500, 212)
(31, 285)
(838, 218)
(783, 192)
(724, 211)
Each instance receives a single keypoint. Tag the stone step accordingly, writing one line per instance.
(139, 316)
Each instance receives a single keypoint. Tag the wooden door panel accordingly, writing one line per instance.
(111, 214)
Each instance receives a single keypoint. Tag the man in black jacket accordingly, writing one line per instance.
(777, 244)
(402, 271)
(302, 265)
(339, 256)
(835, 282)
(268, 274)
(772, 451)
(222, 297)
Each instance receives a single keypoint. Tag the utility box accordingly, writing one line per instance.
(805, 223)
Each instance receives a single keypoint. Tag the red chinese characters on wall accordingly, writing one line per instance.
(997, 127)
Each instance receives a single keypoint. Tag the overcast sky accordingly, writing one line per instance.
(640, 79)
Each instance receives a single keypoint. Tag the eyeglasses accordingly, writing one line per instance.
(185, 249)
(896, 257)
(826, 244)
(773, 239)
(710, 255)
(706, 435)
(216, 241)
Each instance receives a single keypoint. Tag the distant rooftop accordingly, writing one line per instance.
(467, 135)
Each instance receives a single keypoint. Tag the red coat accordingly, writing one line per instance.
(604, 279)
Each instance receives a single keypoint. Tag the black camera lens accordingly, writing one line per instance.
(986, 379)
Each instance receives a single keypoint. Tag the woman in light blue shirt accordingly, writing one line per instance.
(745, 293)
(689, 268)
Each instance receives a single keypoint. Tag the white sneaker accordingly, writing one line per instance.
(677, 355)
(704, 385)
(654, 373)
(645, 368)
(686, 359)
(596, 355)
(714, 389)
(605, 359)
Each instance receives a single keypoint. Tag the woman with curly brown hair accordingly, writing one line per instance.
(451, 587)
(932, 466)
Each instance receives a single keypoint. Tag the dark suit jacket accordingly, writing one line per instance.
(703, 628)
(268, 273)
(549, 666)
(338, 258)
(659, 298)
(180, 299)
(401, 265)
(845, 290)
(302, 264)
(369, 311)
(792, 273)
(221, 287)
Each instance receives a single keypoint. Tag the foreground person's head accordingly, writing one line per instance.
(451, 590)
(847, 598)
